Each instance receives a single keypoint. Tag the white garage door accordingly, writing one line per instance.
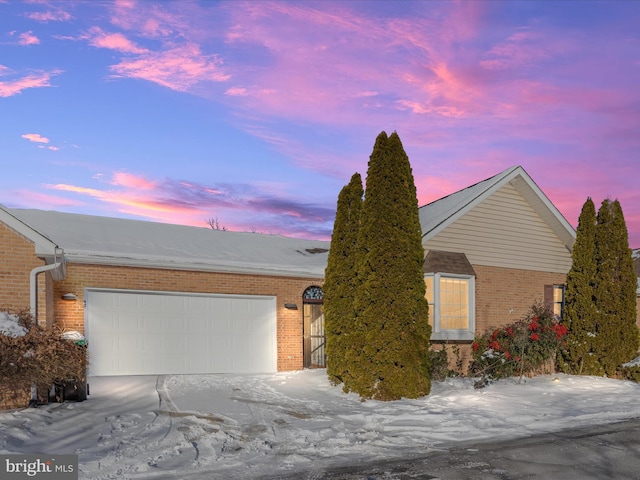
(146, 333)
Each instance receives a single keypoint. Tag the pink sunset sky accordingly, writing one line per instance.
(257, 113)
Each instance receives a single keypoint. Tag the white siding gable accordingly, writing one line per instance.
(504, 231)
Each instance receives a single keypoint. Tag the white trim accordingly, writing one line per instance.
(197, 267)
(43, 245)
(434, 312)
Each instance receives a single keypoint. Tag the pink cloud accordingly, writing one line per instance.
(50, 16)
(159, 21)
(237, 92)
(37, 199)
(14, 87)
(190, 203)
(524, 47)
(179, 68)
(35, 137)
(27, 38)
(113, 41)
(123, 179)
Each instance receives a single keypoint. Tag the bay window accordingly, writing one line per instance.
(451, 306)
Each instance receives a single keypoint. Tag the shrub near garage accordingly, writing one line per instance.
(524, 347)
(37, 356)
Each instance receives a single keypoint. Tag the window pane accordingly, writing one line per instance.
(454, 303)
(558, 299)
(429, 282)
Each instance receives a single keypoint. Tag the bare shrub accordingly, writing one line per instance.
(39, 357)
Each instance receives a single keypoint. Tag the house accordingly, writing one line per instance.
(492, 249)
(155, 298)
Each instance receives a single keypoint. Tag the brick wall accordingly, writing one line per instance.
(503, 296)
(17, 259)
(70, 315)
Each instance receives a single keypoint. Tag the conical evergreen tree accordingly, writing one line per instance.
(340, 280)
(580, 313)
(392, 360)
(617, 335)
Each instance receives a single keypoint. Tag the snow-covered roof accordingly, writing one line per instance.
(117, 241)
(437, 215)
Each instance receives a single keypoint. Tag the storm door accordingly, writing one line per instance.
(313, 328)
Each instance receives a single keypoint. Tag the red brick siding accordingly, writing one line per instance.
(503, 295)
(70, 315)
(501, 290)
(18, 258)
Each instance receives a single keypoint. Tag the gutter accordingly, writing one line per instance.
(58, 272)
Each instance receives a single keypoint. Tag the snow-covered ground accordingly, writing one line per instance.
(264, 426)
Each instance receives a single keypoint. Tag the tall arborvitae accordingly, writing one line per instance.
(615, 290)
(392, 359)
(579, 314)
(340, 280)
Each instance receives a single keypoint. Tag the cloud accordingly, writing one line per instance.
(36, 80)
(57, 15)
(242, 207)
(113, 41)
(237, 92)
(178, 68)
(35, 137)
(30, 199)
(27, 38)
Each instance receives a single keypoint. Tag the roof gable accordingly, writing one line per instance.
(438, 215)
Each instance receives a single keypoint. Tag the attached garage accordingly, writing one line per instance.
(147, 333)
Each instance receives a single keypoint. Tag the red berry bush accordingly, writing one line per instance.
(522, 348)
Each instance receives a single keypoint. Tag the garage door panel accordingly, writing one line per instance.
(137, 333)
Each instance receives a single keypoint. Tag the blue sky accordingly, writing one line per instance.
(258, 113)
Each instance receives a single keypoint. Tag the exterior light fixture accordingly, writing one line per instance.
(291, 306)
(69, 297)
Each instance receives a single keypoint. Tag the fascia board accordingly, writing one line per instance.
(562, 228)
(43, 245)
(74, 258)
(556, 221)
(487, 192)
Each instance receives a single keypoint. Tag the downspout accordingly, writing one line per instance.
(33, 284)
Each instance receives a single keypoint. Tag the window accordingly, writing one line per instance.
(554, 296)
(451, 306)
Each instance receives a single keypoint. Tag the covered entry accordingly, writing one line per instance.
(313, 328)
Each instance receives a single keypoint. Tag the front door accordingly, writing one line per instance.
(313, 328)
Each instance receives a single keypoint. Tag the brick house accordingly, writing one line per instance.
(492, 249)
(156, 298)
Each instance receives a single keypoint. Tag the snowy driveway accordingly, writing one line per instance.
(255, 426)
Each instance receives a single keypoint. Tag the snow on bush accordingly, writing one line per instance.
(10, 325)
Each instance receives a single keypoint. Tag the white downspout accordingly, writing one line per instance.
(33, 284)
